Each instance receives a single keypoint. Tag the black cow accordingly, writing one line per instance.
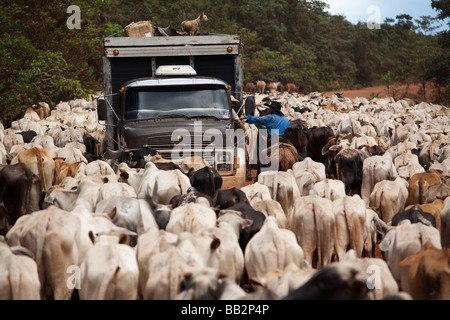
(317, 138)
(27, 135)
(192, 196)
(226, 198)
(349, 166)
(168, 166)
(134, 158)
(90, 142)
(140, 156)
(257, 219)
(332, 282)
(207, 180)
(415, 215)
(20, 191)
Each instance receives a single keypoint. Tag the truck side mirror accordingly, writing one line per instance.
(101, 109)
(250, 106)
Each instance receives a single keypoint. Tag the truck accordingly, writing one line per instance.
(173, 94)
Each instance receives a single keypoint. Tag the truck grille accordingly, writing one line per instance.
(167, 154)
(166, 142)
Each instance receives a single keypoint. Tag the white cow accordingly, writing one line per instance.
(375, 169)
(19, 279)
(257, 192)
(283, 188)
(307, 173)
(314, 225)
(163, 185)
(221, 250)
(271, 208)
(149, 244)
(389, 197)
(109, 271)
(130, 213)
(191, 217)
(280, 248)
(332, 189)
(350, 214)
(56, 236)
(402, 241)
(375, 273)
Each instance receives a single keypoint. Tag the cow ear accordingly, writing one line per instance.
(408, 261)
(19, 250)
(113, 213)
(124, 175)
(91, 236)
(385, 244)
(258, 282)
(246, 223)
(336, 147)
(123, 238)
(215, 244)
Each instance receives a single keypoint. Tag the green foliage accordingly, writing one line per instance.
(288, 41)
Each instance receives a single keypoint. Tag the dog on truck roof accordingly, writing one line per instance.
(190, 27)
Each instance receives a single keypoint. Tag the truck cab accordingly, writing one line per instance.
(180, 114)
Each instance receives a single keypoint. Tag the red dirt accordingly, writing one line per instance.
(411, 91)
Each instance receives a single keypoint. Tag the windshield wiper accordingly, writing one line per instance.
(206, 116)
(174, 115)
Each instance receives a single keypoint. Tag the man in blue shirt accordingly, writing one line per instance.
(275, 119)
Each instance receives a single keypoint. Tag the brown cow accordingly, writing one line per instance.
(291, 87)
(419, 184)
(261, 86)
(249, 87)
(64, 169)
(429, 273)
(40, 163)
(271, 87)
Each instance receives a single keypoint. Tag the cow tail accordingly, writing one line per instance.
(281, 251)
(28, 192)
(275, 187)
(354, 230)
(319, 229)
(211, 180)
(109, 277)
(421, 196)
(174, 276)
(14, 281)
(41, 170)
(37, 247)
(349, 223)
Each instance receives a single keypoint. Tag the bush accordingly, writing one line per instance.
(30, 76)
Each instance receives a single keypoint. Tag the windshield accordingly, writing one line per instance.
(179, 101)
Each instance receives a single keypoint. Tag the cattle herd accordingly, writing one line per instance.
(364, 215)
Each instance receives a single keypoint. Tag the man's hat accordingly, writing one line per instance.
(233, 99)
(275, 105)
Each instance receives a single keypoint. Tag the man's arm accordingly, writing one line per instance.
(258, 120)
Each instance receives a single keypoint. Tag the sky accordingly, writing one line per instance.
(364, 10)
